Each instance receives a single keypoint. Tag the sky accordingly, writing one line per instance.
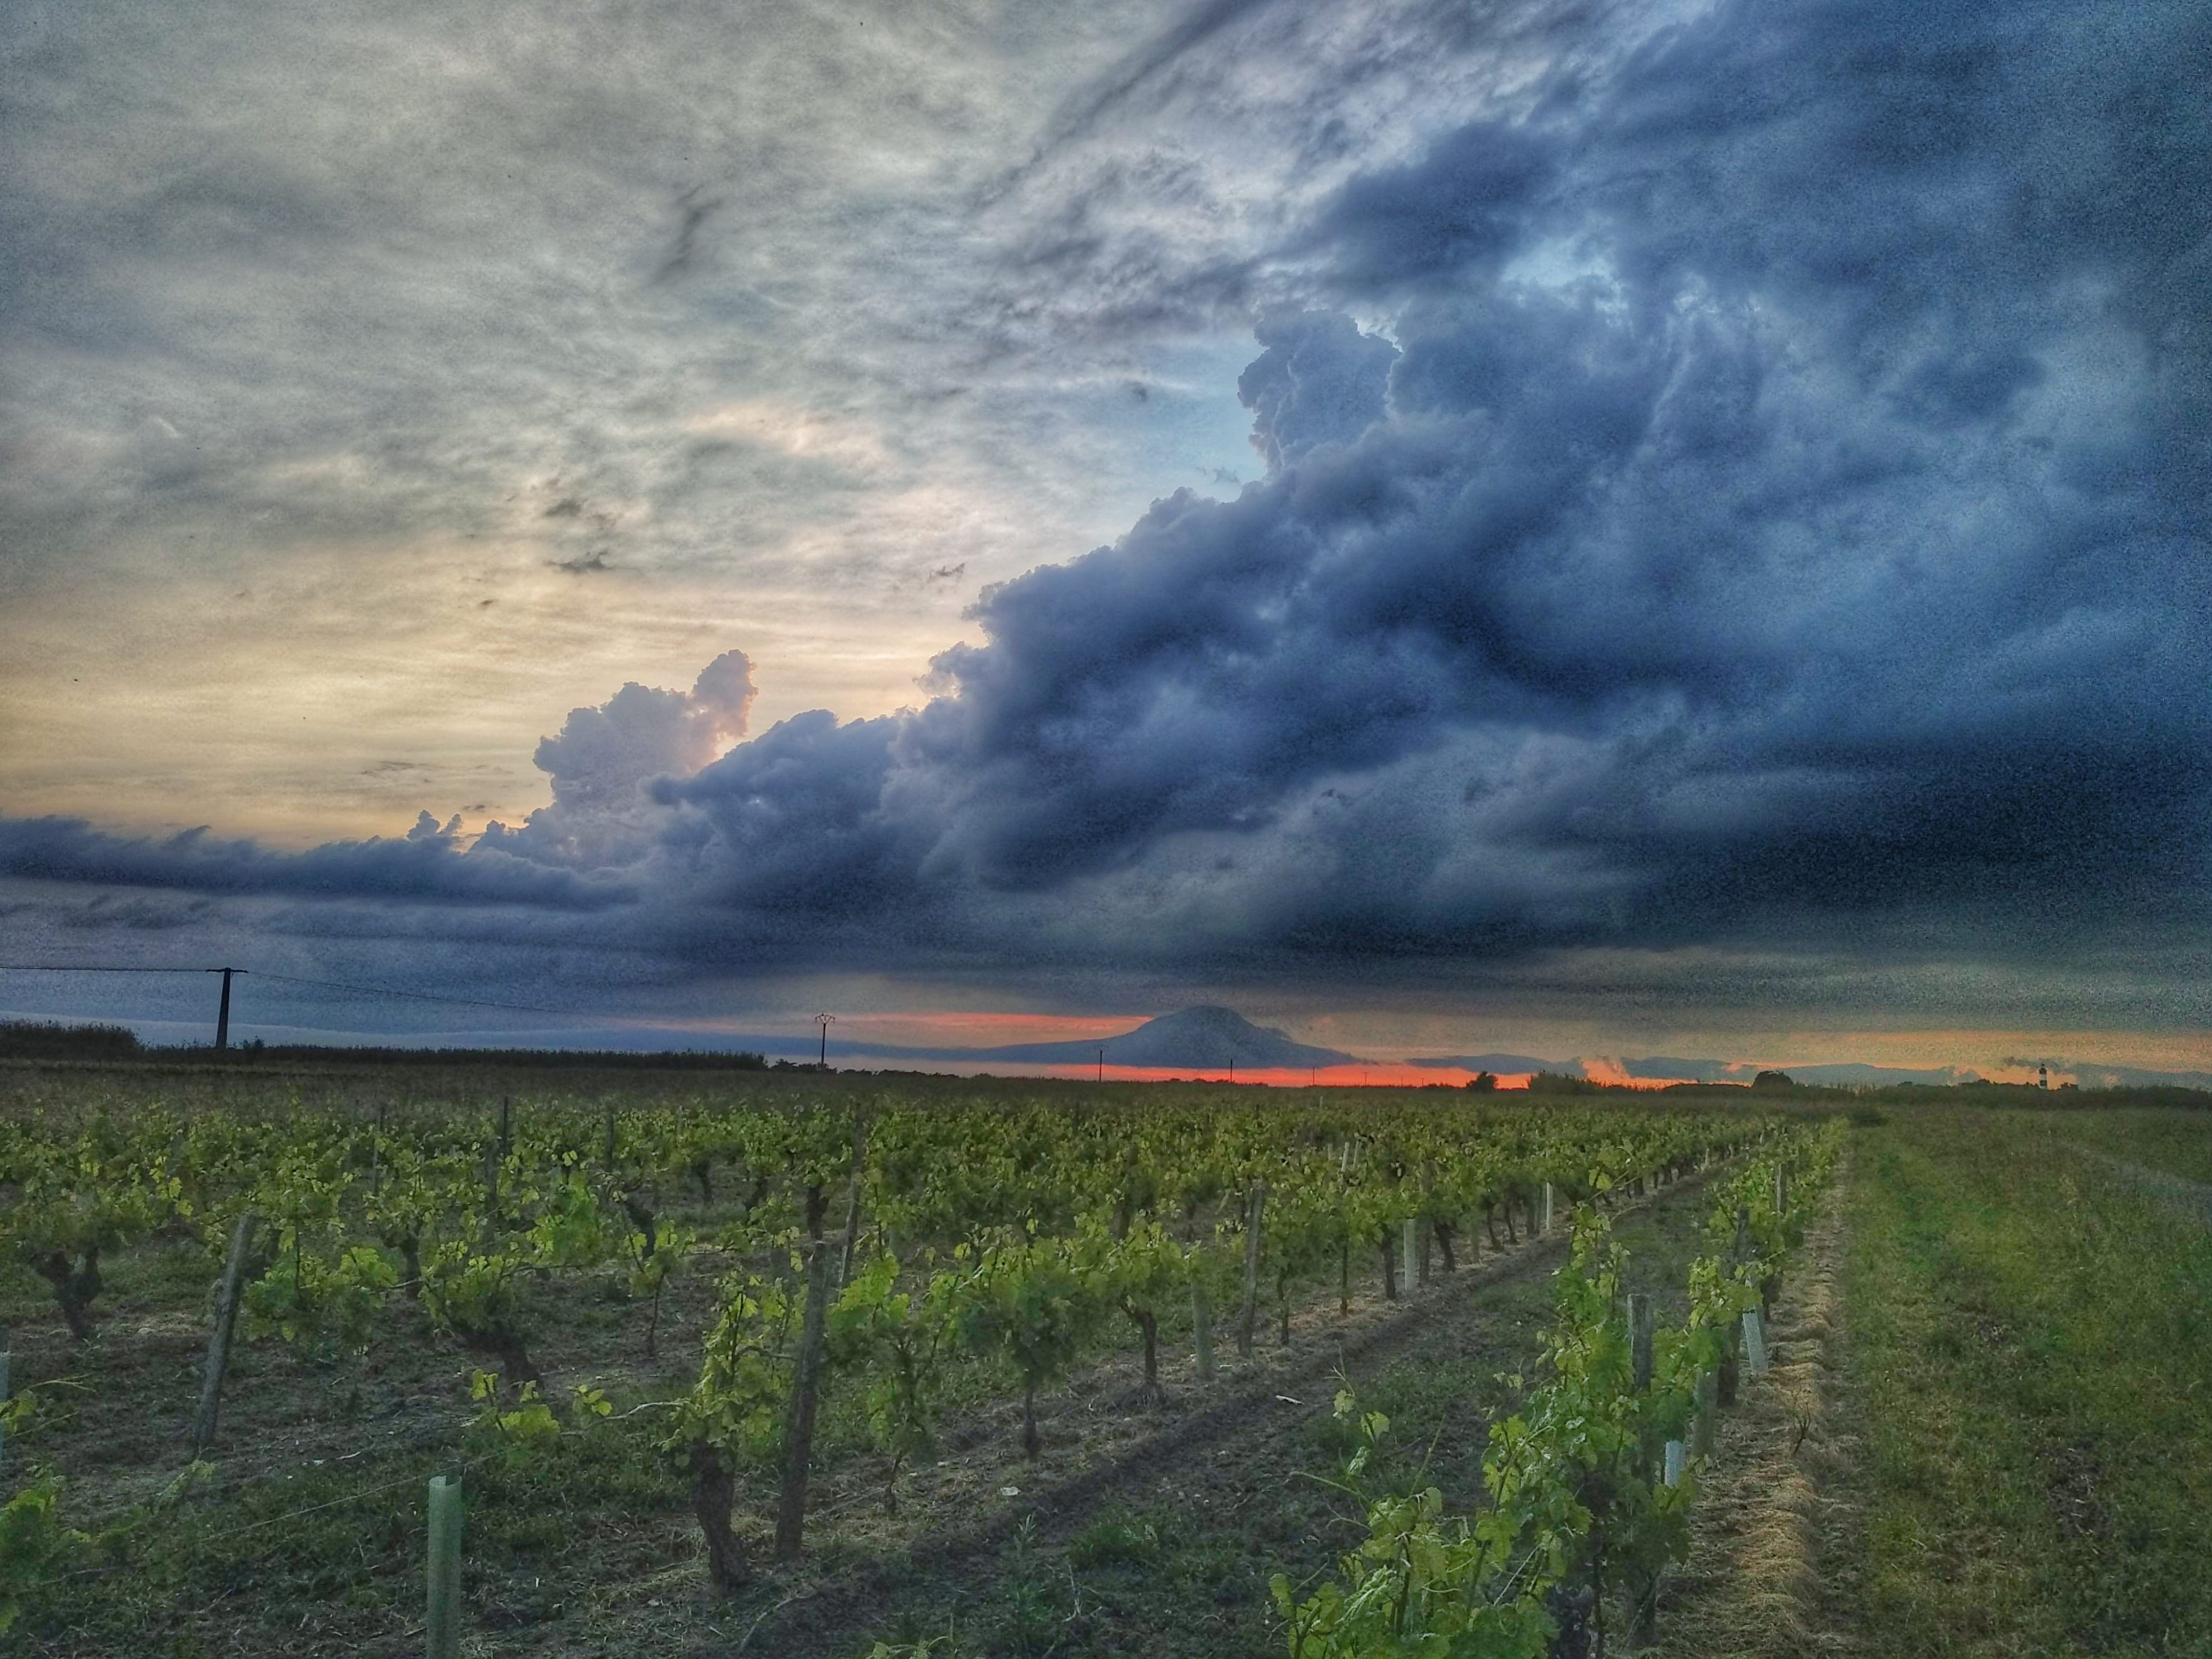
(1563, 528)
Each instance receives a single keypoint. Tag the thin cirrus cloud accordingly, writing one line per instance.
(526, 340)
(1739, 487)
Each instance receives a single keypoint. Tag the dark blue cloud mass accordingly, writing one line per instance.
(1764, 491)
(424, 865)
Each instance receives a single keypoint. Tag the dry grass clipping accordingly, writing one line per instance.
(1751, 1587)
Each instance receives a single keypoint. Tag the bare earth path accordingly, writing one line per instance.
(1753, 1586)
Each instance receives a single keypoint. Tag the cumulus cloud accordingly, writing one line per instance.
(1320, 380)
(602, 760)
(1753, 487)
(601, 754)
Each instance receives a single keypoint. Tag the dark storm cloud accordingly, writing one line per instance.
(1772, 505)
(138, 913)
(423, 866)
(794, 823)
(1786, 508)
(1453, 213)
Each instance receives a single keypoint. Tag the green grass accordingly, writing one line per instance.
(2032, 1362)
(2176, 1143)
(329, 1551)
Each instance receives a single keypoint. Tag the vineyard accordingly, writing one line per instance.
(761, 1347)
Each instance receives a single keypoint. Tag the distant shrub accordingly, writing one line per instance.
(30, 1040)
(1560, 1083)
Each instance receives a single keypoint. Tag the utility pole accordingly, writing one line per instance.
(826, 1021)
(1102, 1065)
(222, 1011)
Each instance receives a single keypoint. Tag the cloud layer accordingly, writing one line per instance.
(1744, 485)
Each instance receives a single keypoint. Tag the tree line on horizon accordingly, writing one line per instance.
(37, 1040)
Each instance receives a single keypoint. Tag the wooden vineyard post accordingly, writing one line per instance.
(805, 1391)
(1201, 1329)
(1640, 1366)
(1409, 1253)
(1677, 1458)
(1704, 1420)
(445, 1602)
(495, 1158)
(1251, 1311)
(232, 1286)
(3, 1396)
(610, 1137)
(1640, 1359)
(1754, 1341)
(1428, 1226)
(1344, 1244)
(853, 1202)
(1639, 1339)
(1549, 1198)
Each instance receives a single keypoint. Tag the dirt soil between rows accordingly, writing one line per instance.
(1768, 1499)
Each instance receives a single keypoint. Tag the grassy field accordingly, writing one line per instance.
(2030, 1377)
(2175, 1143)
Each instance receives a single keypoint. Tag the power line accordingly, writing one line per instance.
(93, 968)
(293, 979)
